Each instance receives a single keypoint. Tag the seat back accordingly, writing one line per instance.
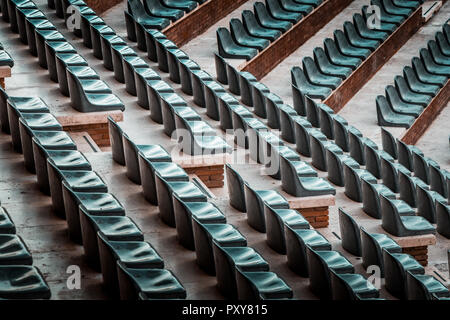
(388, 141)
(115, 138)
(438, 181)
(235, 185)
(350, 234)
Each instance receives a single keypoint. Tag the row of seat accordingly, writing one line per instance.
(19, 279)
(220, 248)
(404, 277)
(76, 79)
(414, 91)
(258, 28)
(113, 243)
(157, 14)
(166, 106)
(5, 58)
(320, 75)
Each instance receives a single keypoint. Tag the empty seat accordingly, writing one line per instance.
(266, 20)
(316, 77)
(302, 83)
(396, 266)
(297, 241)
(438, 179)
(132, 254)
(255, 29)
(276, 221)
(235, 185)
(407, 186)
(346, 48)
(388, 117)
(320, 264)
(157, 9)
(13, 251)
(390, 174)
(6, 224)
(423, 287)
(338, 58)
(371, 193)
(335, 164)
(204, 212)
(169, 171)
(241, 37)
(388, 143)
(372, 247)
(350, 234)
(114, 228)
(153, 283)
(256, 201)
(405, 154)
(186, 191)
(229, 259)
(92, 204)
(142, 76)
(229, 49)
(416, 85)
(225, 235)
(357, 144)
(353, 178)
(422, 166)
(373, 159)
(426, 200)
(398, 224)
(116, 140)
(22, 282)
(351, 287)
(254, 285)
(318, 151)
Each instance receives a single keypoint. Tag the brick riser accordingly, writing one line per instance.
(419, 253)
(212, 177)
(317, 217)
(100, 6)
(98, 131)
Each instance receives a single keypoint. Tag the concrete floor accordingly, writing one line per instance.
(46, 235)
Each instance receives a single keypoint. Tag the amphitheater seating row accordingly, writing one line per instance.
(320, 75)
(76, 79)
(166, 106)
(257, 29)
(414, 91)
(220, 248)
(19, 279)
(130, 266)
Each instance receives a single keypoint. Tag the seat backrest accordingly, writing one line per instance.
(390, 219)
(224, 38)
(350, 234)
(312, 112)
(235, 185)
(388, 141)
(77, 94)
(115, 137)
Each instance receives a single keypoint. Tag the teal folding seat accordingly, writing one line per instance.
(255, 29)
(318, 151)
(356, 40)
(187, 67)
(15, 108)
(165, 190)
(157, 9)
(151, 36)
(256, 202)
(399, 219)
(352, 184)
(243, 38)
(341, 134)
(373, 245)
(436, 53)
(86, 22)
(301, 82)
(351, 287)
(265, 19)
(155, 91)
(298, 6)
(366, 32)
(278, 12)
(92, 203)
(302, 135)
(22, 283)
(229, 49)
(6, 224)
(396, 266)
(335, 164)
(153, 153)
(297, 241)
(418, 86)
(113, 228)
(221, 68)
(149, 283)
(142, 76)
(63, 196)
(39, 31)
(174, 59)
(373, 159)
(424, 76)
(388, 117)
(327, 67)
(51, 49)
(408, 186)
(224, 235)
(299, 186)
(423, 287)
(29, 123)
(173, 106)
(346, 48)
(276, 222)
(12, 5)
(426, 203)
(184, 5)
(388, 143)
(422, 166)
(169, 171)
(235, 185)
(357, 143)
(388, 15)
(405, 154)
(204, 212)
(320, 265)
(438, 179)
(265, 104)
(229, 259)
(286, 114)
(21, 14)
(338, 58)
(316, 77)
(13, 251)
(390, 172)
(409, 96)
(433, 67)
(350, 234)
(371, 193)
(261, 286)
